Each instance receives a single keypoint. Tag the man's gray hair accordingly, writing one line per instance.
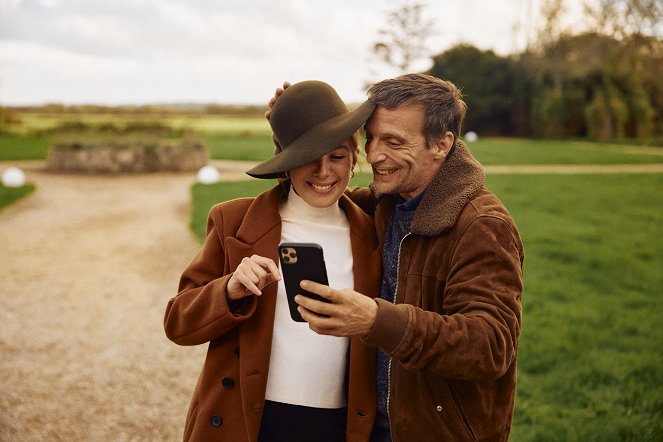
(442, 102)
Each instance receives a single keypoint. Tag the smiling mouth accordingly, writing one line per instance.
(322, 188)
(384, 172)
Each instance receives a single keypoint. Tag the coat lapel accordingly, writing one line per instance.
(259, 234)
(366, 267)
(365, 248)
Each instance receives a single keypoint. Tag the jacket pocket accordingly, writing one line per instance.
(462, 417)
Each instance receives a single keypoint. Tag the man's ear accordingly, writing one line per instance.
(443, 146)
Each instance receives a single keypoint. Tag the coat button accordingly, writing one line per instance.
(216, 420)
(439, 408)
(228, 382)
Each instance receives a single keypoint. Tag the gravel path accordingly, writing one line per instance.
(88, 265)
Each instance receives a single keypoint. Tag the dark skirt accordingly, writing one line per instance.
(295, 423)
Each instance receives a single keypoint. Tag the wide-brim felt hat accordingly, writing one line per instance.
(309, 120)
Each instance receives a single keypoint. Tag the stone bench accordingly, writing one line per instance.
(181, 155)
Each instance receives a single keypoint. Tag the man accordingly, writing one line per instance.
(447, 321)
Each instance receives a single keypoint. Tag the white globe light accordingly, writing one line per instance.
(471, 137)
(208, 175)
(13, 177)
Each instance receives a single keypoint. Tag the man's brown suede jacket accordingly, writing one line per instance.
(452, 333)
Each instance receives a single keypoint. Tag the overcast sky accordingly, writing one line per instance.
(219, 51)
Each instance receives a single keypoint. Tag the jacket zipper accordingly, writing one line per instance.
(398, 267)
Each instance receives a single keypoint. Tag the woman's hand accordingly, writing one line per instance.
(251, 276)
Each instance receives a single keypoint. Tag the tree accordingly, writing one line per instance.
(552, 12)
(488, 83)
(402, 41)
(601, 82)
(624, 19)
(598, 86)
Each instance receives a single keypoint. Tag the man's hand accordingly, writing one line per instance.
(270, 104)
(251, 276)
(277, 93)
(349, 314)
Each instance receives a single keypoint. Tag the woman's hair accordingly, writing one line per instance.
(442, 102)
(355, 148)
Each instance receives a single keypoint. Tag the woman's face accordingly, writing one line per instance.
(322, 182)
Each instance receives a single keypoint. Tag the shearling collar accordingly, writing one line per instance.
(460, 177)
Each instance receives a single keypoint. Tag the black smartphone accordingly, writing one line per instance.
(301, 261)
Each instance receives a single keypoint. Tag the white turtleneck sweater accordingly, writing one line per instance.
(306, 368)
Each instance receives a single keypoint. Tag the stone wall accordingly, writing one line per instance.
(187, 154)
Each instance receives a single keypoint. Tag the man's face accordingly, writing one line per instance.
(396, 149)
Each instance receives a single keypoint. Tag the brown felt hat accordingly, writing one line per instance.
(309, 120)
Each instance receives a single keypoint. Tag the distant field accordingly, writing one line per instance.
(249, 138)
(251, 147)
(256, 125)
(590, 362)
(256, 146)
(490, 151)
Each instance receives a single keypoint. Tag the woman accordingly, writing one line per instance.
(267, 377)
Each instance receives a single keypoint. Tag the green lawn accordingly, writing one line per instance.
(203, 197)
(15, 146)
(590, 361)
(505, 151)
(9, 195)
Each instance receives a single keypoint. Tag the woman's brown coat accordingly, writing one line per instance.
(228, 401)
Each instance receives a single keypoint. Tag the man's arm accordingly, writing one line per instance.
(476, 336)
